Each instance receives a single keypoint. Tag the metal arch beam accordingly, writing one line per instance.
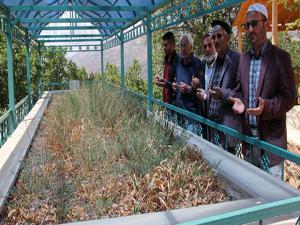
(70, 35)
(76, 8)
(73, 20)
(75, 28)
(70, 40)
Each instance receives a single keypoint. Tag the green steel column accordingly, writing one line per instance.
(102, 60)
(149, 60)
(122, 61)
(10, 74)
(40, 70)
(27, 42)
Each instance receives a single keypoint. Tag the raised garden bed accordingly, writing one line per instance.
(96, 155)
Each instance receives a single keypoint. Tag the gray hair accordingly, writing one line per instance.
(188, 37)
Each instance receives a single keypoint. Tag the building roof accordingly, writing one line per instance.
(285, 16)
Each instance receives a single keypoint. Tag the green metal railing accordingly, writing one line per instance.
(251, 214)
(4, 127)
(22, 108)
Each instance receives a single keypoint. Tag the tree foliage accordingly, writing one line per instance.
(55, 68)
(133, 80)
(286, 42)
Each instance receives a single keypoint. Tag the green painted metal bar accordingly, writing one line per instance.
(283, 153)
(32, 28)
(27, 44)
(122, 61)
(75, 45)
(129, 35)
(10, 74)
(69, 36)
(149, 61)
(22, 109)
(4, 125)
(188, 10)
(40, 69)
(59, 8)
(251, 214)
(102, 59)
(73, 20)
(70, 40)
(68, 50)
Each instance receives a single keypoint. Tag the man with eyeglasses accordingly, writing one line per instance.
(265, 91)
(222, 81)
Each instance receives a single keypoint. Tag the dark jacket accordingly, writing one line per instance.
(227, 83)
(172, 75)
(276, 86)
(184, 74)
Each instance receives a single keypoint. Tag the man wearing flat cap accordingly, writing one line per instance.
(222, 81)
(265, 91)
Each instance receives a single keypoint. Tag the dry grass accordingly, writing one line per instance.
(292, 170)
(98, 156)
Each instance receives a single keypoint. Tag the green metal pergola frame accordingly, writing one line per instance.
(118, 32)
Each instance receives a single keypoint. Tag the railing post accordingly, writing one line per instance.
(40, 72)
(149, 60)
(10, 74)
(122, 61)
(102, 60)
(27, 42)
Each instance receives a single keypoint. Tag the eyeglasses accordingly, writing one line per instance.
(252, 23)
(219, 36)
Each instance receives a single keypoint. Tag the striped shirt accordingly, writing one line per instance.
(254, 72)
(215, 104)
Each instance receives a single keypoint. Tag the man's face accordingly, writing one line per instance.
(209, 49)
(220, 39)
(185, 48)
(168, 47)
(257, 28)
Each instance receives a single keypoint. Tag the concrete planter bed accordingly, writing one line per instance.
(95, 158)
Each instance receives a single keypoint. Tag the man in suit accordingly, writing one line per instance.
(210, 56)
(265, 90)
(222, 82)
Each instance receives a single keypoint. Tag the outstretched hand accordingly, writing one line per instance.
(258, 110)
(159, 81)
(238, 106)
(216, 93)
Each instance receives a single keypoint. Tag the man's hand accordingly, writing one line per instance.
(216, 93)
(195, 82)
(201, 94)
(159, 81)
(174, 85)
(184, 88)
(238, 106)
(259, 110)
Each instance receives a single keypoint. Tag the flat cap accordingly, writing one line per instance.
(223, 24)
